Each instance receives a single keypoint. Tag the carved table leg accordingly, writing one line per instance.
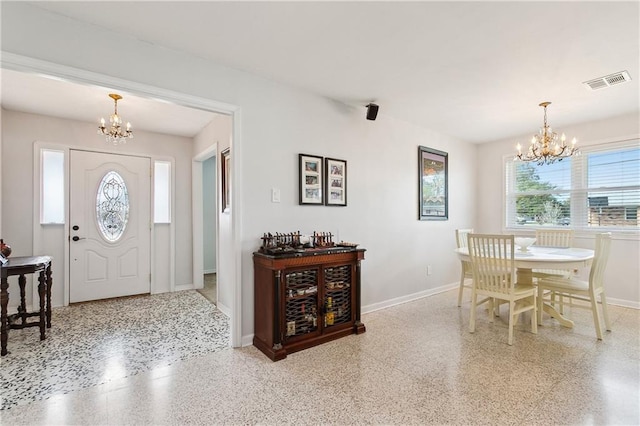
(42, 293)
(22, 309)
(4, 300)
(49, 284)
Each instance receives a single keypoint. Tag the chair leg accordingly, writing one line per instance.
(461, 287)
(512, 308)
(539, 307)
(596, 314)
(605, 311)
(493, 305)
(534, 316)
(472, 317)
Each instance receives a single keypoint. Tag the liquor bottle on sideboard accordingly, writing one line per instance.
(330, 316)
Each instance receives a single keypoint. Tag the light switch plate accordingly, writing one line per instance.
(275, 195)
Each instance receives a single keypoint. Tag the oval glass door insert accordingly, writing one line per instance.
(112, 206)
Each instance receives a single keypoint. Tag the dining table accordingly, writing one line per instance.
(544, 257)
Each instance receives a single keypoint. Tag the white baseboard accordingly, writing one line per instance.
(408, 298)
(624, 303)
(210, 271)
(426, 293)
(247, 340)
(224, 309)
(184, 287)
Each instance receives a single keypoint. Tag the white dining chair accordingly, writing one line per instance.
(553, 238)
(587, 291)
(465, 266)
(494, 277)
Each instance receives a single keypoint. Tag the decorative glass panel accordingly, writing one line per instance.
(112, 206)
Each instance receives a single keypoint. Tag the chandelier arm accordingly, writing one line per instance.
(114, 134)
(546, 147)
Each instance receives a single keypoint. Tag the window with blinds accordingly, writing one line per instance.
(599, 188)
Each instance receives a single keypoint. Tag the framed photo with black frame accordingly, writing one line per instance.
(433, 173)
(311, 186)
(335, 182)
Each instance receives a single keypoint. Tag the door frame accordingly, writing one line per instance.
(197, 202)
(22, 63)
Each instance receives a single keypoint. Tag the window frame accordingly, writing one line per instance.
(578, 193)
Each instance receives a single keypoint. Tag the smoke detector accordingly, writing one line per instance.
(607, 80)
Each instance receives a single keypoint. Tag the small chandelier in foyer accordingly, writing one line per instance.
(546, 147)
(114, 134)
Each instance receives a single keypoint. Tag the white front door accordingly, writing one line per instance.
(110, 228)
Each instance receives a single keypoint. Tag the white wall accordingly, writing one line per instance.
(209, 194)
(21, 130)
(218, 132)
(278, 123)
(623, 270)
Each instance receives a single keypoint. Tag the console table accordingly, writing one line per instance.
(21, 266)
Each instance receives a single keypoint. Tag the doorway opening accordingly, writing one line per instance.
(233, 262)
(209, 230)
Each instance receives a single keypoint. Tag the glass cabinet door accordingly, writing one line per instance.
(301, 302)
(337, 295)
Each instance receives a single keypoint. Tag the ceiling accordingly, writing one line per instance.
(473, 70)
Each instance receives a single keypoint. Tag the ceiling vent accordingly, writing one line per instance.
(608, 80)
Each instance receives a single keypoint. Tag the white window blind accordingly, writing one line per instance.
(162, 192)
(599, 188)
(52, 186)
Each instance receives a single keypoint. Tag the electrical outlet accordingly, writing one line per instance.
(428, 269)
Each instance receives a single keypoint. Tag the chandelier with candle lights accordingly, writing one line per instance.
(546, 147)
(114, 133)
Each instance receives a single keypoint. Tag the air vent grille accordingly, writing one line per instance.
(608, 80)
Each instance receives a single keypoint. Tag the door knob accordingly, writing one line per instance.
(76, 238)
(75, 227)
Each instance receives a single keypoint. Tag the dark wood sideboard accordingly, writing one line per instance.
(305, 299)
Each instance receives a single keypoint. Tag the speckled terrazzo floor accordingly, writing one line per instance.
(209, 290)
(97, 342)
(416, 364)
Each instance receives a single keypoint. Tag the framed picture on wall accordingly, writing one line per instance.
(311, 187)
(335, 182)
(433, 197)
(226, 181)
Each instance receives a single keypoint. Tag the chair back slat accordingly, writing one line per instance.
(492, 262)
(600, 259)
(461, 237)
(461, 242)
(554, 237)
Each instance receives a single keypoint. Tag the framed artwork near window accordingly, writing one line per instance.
(226, 181)
(433, 197)
(311, 187)
(335, 182)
